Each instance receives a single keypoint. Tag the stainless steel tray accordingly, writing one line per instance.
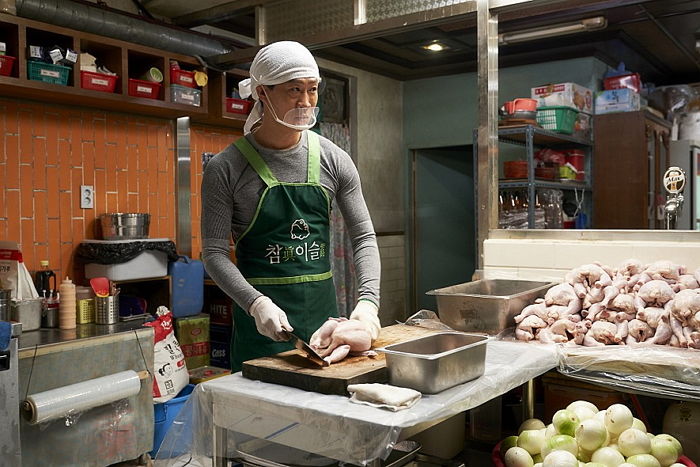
(487, 306)
(436, 362)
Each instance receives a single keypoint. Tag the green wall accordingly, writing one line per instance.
(442, 111)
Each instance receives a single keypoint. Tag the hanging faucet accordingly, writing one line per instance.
(674, 183)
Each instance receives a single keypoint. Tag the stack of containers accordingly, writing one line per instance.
(620, 93)
(183, 88)
(66, 306)
(219, 306)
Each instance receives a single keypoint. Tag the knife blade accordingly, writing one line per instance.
(311, 354)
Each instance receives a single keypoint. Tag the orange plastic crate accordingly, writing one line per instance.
(182, 78)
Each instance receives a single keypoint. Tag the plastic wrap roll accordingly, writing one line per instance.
(78, 397)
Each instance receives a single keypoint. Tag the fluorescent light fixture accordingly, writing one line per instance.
(435, 46)
(588, 24)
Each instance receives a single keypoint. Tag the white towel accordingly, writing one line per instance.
(383, 395)
(276, 63)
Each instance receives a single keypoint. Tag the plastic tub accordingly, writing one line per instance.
(515, 169)
(145, 89)
(238, 106)
(164, 415)
(557, 118)
(187, 286)
(98, 81)
(185, 95)
(48, 73)
(182, 78)
(6, 65)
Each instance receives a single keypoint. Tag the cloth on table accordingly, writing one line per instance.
(383, 395)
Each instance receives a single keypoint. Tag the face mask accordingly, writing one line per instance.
(300, 118)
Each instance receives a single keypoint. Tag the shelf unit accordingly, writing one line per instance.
(126, 59)
(532, 137)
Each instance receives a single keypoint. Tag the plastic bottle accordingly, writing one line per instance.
(43, 282)
(66, 306)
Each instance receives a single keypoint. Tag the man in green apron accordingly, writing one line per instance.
(272, 191)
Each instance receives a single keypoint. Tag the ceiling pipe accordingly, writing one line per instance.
(107, 22)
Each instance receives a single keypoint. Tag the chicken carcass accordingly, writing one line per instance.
(538, 309)
(638, 331)
(686, 281)
(350, 332)
(664, 270)
(525, 330)
(653, 315)
(600, 333)
(656, 293)
(663, 332)
(685, 305)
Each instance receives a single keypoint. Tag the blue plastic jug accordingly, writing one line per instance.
(187, 277)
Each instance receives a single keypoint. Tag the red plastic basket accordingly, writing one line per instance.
(238, 106)
(182, 78)
(98, 81)
(6, 64)
(498, 460)
(141, 88)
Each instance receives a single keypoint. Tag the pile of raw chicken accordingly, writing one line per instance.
(597, 305)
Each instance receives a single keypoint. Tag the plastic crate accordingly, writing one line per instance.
(146, 89)
(182, 78)
(98, 81)
(48, 73)
(164, 415)
(557, 118)
(238, 106)
(6, 64)
(184, 95)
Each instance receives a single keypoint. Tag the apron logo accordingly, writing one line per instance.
(299, 230)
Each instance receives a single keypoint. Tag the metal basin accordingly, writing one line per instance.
(434, 363)
(487, 306)
(125, 226)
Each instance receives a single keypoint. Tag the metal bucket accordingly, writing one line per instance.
(107, 309)
(27, 312)
(124, 226)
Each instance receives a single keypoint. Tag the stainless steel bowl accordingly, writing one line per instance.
(124, 226)
(434, 363)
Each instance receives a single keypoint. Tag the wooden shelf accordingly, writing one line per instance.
(126, 59)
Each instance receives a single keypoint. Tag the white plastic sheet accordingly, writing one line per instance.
(330, 426)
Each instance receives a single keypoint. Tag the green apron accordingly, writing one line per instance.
(284, 255)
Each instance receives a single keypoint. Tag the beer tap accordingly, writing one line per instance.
(674, 182)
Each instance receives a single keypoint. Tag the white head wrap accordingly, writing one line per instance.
(276, 63)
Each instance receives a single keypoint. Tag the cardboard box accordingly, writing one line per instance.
(566, 94)
(617, 100)
(583, 127)
(221, 354)
(205, 373)
(192, 333)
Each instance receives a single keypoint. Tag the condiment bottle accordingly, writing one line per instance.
(66, 307)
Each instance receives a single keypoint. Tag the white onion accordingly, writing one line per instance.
(560, 443)
(583, 413)
(518, 457)
(638, 424)
(566, 422)
(539, 464)
(618, 418)
(591, 434)
(633, 441)
(531, 424)
(560, 459)
(643, 460)
(594, 464)
(590, 406)
(675, 442)
(600, 416)
(664, 451)
(531, 440)
(549, 432)
(608, 456)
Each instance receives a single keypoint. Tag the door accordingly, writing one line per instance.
(444, 228)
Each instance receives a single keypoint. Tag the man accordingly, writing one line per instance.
(272, 190)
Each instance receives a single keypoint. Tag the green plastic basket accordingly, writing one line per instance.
(557, 118)
(48, 73)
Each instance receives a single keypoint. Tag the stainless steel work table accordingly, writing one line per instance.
(227, 413)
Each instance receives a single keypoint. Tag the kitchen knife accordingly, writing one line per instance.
(308, 350)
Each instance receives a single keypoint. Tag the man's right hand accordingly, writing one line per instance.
(270, 320)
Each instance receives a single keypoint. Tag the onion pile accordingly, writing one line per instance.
(583, 436)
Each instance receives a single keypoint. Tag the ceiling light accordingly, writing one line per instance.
(588, 24)
(435, 46)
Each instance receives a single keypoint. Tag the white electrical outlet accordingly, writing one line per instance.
(87, 197)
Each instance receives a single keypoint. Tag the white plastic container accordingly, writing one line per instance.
(148, 264)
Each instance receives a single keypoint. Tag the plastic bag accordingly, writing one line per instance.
(168, 360)
(13, 273)
(115, 253)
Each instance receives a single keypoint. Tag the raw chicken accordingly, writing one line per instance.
(639, 331)
(686, 281)
(653, 315)
(622, 302)
(664, 270)
(685, 305)
(601, 333)
(350, 332)
(525, 331)
(663, 332)
(538, 309)
(656, 293)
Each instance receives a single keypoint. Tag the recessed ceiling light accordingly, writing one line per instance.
(435, 47)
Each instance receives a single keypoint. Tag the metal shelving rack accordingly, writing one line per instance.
(531, 137)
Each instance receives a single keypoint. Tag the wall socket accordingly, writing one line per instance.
(87, 197)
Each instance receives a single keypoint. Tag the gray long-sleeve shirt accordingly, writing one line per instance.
(231, 191)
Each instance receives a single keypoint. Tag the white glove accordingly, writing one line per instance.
(270, 320)
(367, 313)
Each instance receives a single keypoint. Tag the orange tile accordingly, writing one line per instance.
(100, 125)
(27, 245)
(152, 135)
(166, 159)
(117, 132)
(52, 127)
(65, 157)
(76, 181)
(122, 189)
(3, 204)
(100, 190)
(40, 217)
(153, 205)
(90, 227)
(3, 229)
(41, 252)
(131, 154)
(54, 243)
(13, 229)
(88, 163)
(65, 177)
(12, 161)
(112, 202)
(100, 157)
(39, 122)
(132, 181)
(111, 168)
(11, 125)
(66, 263)
(26, 196)
(65, 216)
(52, 192)
(25, 137)
(151, 161)
(87, 128)
(78, 230)
(39, 164)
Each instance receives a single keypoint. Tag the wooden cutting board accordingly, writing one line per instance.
(293, 369)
